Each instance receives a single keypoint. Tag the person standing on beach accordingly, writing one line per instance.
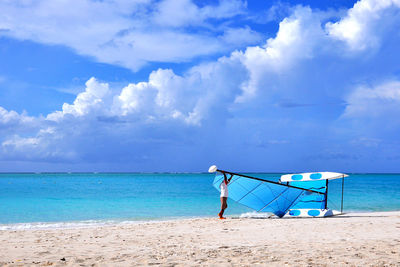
(224, 195)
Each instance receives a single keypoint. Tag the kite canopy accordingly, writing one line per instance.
(311, 176)
(263, 195)
(311, 201)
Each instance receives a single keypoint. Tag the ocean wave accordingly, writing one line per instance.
(63, 225)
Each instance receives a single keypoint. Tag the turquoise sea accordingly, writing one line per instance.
(63, 199)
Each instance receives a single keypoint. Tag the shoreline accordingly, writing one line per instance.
(54, 225)
(352, 239)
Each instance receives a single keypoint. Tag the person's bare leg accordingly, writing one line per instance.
(223, 207)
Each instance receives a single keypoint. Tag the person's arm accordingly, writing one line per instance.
(226, 180)
(230, 178)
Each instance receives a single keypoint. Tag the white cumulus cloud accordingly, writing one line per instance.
(298, 89)
(365, 22)
(93, 100)
(375, 102)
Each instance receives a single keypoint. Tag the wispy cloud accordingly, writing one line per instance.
(130, 34)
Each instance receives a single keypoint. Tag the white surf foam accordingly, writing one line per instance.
(63, 225)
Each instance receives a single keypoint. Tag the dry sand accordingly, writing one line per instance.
(359, 239)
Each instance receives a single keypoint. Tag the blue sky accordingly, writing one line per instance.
(178, 85)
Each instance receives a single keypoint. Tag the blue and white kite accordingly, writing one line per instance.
(294, 195)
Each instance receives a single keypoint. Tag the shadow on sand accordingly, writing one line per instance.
(344, 215)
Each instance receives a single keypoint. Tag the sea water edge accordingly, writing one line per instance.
(76, 200)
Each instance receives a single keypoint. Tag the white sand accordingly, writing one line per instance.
(359, 239)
